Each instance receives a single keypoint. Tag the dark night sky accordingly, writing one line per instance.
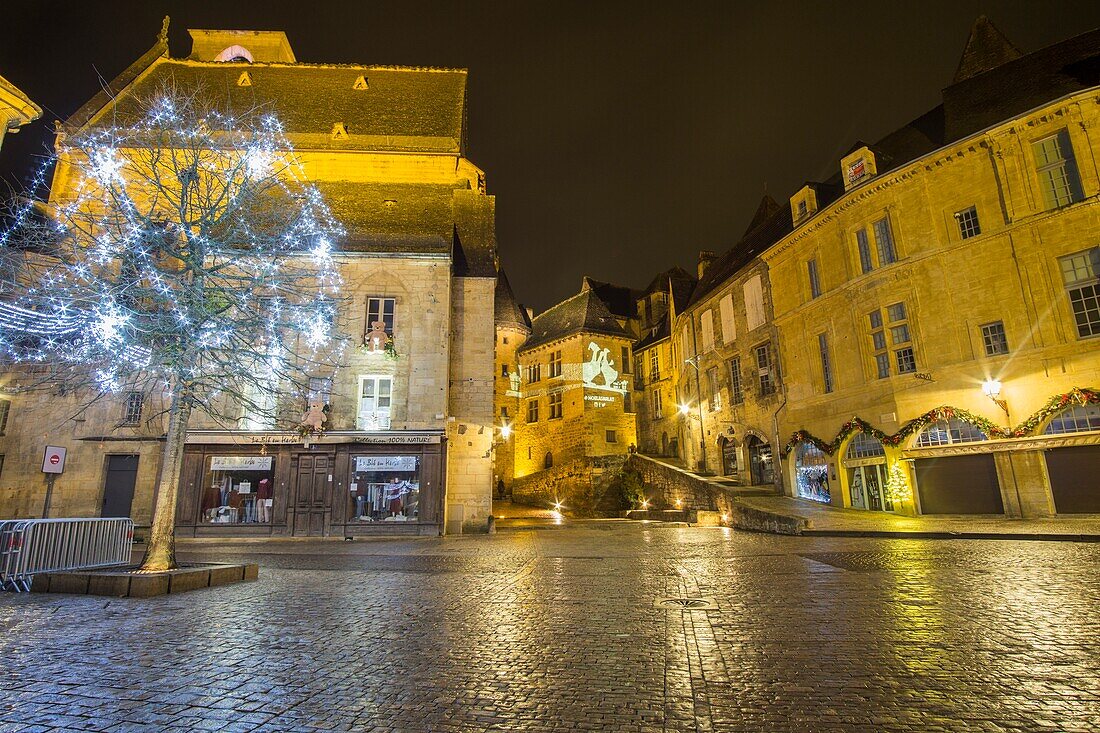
(619, 138)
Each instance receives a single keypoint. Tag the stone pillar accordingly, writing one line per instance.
(1025, 485)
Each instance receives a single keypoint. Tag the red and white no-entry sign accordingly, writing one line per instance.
(54, 459)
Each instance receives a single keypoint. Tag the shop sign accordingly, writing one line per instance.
(395, 439)
(385, 463)
(241, 463)
(274, 439)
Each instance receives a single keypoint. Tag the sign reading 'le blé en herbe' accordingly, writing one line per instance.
(241, 463)
(385, 463)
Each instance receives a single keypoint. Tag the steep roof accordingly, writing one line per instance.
(987, 48)
(585, 312)
(507, 312)
(764, 211)
(1021, 84)
(758, 239)
(619, 299)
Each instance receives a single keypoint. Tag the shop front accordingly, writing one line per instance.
(338, 485)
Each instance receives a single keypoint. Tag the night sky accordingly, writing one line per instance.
(619, 138)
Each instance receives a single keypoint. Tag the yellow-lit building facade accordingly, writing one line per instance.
(576, 381)
(513, 327)
(16, 109)
(385, 147)
(938, 303)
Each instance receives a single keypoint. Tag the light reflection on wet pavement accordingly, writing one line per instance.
(555, 630)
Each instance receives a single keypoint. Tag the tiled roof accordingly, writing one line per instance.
(401, 110)
(987, 48)
(507, 311)
(393, 216)
(585, 312)
(765, 234)
(619, 299)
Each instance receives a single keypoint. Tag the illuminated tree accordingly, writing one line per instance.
(181, 253)
(897, 486)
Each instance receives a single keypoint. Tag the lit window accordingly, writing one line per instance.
(993, 337)
(1080, 273)
(1076, 419)
(968, 223)
(865, 446)
(1057, 170)
(555, 406)
(948, 432)
(375, 403)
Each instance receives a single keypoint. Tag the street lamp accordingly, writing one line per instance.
(505, 431)
(991, 388)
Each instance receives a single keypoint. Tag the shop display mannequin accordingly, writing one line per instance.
(263, 500)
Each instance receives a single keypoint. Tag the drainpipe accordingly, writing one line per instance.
(775, 415)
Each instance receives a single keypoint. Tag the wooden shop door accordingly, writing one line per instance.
(313, 498)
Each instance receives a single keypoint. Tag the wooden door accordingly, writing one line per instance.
(118, 488)
(313, 498)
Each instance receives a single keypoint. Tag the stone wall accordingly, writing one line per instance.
(664, 484)
(581, 486)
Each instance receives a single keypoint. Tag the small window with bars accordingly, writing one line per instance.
(994, 339)
(611, 436)
(968, 223)
(132, 409)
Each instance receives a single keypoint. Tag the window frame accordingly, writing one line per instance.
(381, 312)
(382, 413)
(996, 344)
(556, 400)
(533, 410)
(737, 387)
(969, 223)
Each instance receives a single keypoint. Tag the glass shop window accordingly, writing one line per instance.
(238, 490)
(385, 488)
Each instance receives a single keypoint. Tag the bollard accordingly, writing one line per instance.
(492, 527)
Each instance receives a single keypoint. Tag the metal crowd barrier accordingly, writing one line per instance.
(29, 546)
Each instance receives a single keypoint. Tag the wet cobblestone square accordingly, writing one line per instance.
(557, 630)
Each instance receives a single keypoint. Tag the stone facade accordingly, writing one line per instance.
(421, 237)
(16, 109)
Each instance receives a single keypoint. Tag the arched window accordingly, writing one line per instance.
(1075, 419)
(865, 446)
(235, 54)
(812, 473)
(548, 461)
(949, 432)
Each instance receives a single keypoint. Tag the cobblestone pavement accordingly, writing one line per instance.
(558, 631)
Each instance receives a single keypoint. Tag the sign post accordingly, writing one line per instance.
(53, 463)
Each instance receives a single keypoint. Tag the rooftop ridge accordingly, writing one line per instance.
(316, 65)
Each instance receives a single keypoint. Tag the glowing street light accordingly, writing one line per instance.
(991, 388)
(505, 431)
(685, 409)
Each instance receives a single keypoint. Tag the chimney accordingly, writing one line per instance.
(705, 258)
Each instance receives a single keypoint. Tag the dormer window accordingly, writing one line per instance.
(858, 166)
(803, 204)
(360, 83)
(339, 131)
(244, 80)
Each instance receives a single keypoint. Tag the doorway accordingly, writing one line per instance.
(760, 462)
(118, 488)
(313, 499)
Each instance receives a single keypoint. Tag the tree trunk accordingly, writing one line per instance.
(161, 553)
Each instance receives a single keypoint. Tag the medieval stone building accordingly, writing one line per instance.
(407, 440)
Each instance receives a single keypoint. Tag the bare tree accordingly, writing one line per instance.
(182, 251)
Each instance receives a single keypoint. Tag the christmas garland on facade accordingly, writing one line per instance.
(1055, 405)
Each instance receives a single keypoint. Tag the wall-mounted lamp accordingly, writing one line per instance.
(991, 388)
(505, 431)
(685, 409)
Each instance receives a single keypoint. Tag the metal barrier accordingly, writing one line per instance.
(29, 546)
